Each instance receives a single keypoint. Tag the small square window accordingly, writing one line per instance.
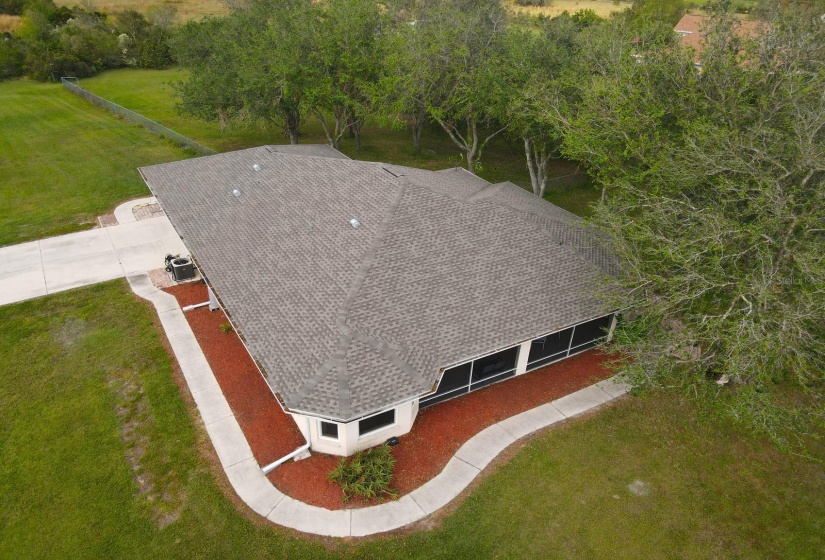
(329, 430)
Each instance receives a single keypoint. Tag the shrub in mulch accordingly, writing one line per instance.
(366, 474)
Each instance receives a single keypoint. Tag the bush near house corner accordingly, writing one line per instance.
(367, 474)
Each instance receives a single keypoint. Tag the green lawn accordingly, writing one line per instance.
(87, 396)
(63, 161)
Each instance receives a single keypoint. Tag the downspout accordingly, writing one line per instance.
(195, 306)
(272, 466)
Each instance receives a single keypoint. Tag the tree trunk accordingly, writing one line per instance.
(418, 127)
(537, 161)
(473, 152)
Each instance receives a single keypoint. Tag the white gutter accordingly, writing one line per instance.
(272, 466)
(197, 305)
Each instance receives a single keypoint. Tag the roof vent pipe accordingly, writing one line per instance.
(256, 167)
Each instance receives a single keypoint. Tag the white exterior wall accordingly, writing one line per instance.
(348, 441)
(523, 355)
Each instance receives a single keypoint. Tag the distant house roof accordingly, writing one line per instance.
(344, 321)
(692, 27)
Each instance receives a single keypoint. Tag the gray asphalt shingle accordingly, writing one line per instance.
(346, 321)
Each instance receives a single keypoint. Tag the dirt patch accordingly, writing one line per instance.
(163, 497)
(437, 433)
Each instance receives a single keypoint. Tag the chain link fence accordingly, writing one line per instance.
(73, 85)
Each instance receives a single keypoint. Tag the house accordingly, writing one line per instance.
(366, 291)
(692, 29)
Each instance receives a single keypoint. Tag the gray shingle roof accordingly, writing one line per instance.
(346, 321)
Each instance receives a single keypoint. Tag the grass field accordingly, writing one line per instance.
(149, 92)
(102, 460)
(603, 8)
(63, 161)
(9, 23)
(187, 9)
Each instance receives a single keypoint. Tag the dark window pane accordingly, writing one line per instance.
(495, 363)
(549, 345)
(435, 399)
(330, 430)
(376, 422)
(591, 330)
(548, 360)
(454, 378)
(493, 379)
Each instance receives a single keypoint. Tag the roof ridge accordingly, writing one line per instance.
(346, 332)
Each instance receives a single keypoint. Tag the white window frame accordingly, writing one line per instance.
(321, 430)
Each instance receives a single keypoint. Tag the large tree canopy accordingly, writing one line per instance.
(715, 203)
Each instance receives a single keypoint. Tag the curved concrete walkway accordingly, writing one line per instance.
(42, 267)
(257, 491)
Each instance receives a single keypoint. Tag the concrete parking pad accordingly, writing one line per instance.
(25, 256)
(21, 285)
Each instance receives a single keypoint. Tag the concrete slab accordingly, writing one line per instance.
(253, 487)
(484, 446)
(140, 233)
(385, 517)
(548, 413)
(74, 246)
(613, 387)
(441, 490)
(581, 401)
(149, 255)
(162, 301)
(198, 374)
(229, 441)
(22, 285)
(310, 519)
(141, 284)
(528, 422)
(212, 404)
(124, 213)
(174, 322)
(63, 275)
(185, 347)
(25, 256)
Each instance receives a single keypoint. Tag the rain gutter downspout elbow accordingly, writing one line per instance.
(272, 466)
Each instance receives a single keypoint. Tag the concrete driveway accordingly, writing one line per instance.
(60, 263)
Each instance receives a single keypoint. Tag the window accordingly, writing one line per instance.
(375, 423)
(551, 346)
(329, 430)
(587, 334)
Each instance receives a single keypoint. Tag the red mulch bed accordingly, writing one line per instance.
(437, 434)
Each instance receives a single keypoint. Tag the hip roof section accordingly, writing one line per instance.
(345, 320)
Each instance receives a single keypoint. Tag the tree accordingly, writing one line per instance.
(252, 65)
(536, 70)
(716, 208)
(458, 44)
(346, 61)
